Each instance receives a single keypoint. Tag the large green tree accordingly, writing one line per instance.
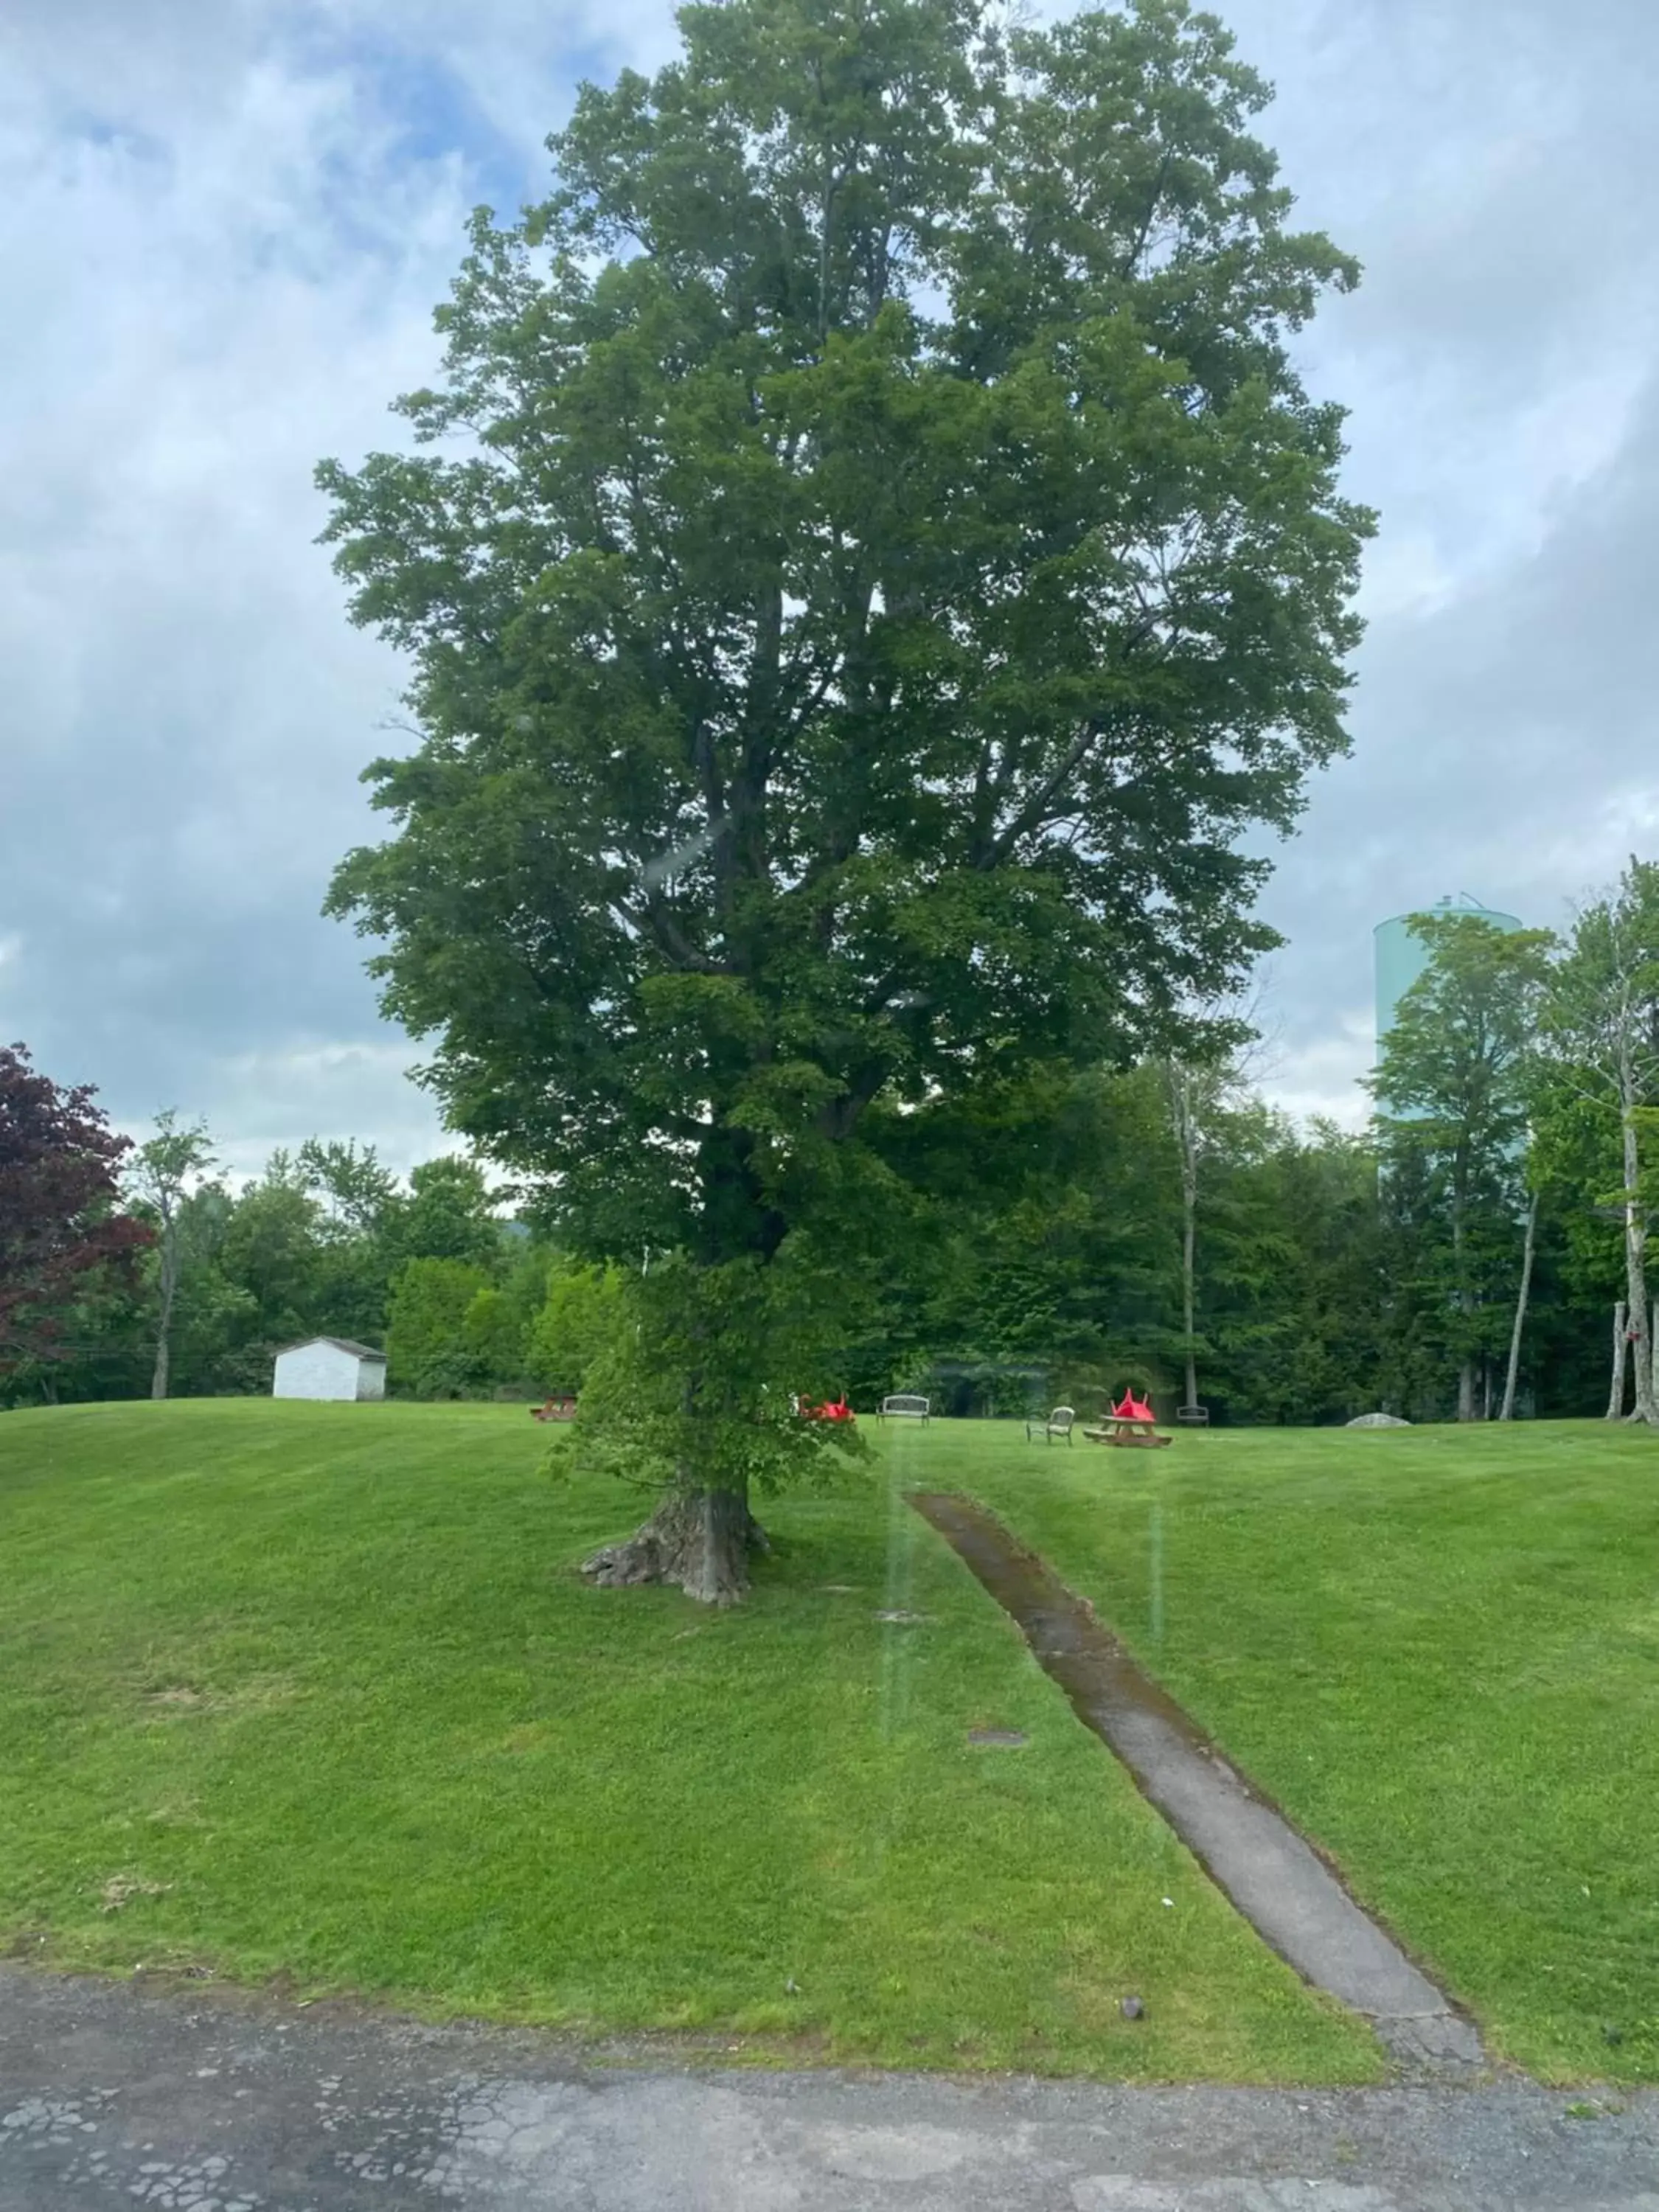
(885, 563)
(1294, 1271)
(1601, 1036)
(64, 1240)
(271, 1249)
(162, 1172)
(448, 1213)
(1453, 1088)
(428, 1349)
(580, 1313)
(359, 1235)
(1199, 1095)
(1037, 1259)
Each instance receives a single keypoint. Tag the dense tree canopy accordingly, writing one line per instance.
(430, 1351)
(1602, 1035)
(63, 1233)
(1041, 1262)
(1455, 1084)
(891, 562)
(314, 1244)
(162, 1170)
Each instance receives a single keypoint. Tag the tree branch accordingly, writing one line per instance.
(655, 921)
(1145, 231)
(1030, 814)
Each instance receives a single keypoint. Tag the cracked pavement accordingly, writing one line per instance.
(112, 2095)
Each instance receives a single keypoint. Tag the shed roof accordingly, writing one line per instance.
(340, 1344)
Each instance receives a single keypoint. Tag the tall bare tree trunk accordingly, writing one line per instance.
(1188, 1301)
(1506, 1410)
(1616, 1394)
(158, 1382)
(1636, 1269)
(1464, 1301)
(1184, 1115)
(1640, 1327)
(1466, 1390)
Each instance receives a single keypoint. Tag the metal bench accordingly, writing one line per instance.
(1193, 1417)
(904, 1406)
(1058, 1423)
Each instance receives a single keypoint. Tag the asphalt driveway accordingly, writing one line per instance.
(116, 2094)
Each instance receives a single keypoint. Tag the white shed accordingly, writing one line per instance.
(329, 1367)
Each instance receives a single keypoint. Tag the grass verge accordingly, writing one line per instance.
(1438, 1650)
(314, 1692)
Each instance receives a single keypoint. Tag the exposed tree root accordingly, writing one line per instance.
(699, 1540)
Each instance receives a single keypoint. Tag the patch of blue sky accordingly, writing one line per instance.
(425, 107)
(416, 115)
(109, 135)
(436, 116)
(598, 63)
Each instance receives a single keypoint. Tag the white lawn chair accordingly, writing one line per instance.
(1058, 1423)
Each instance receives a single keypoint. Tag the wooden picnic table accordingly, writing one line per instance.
(1126, 1429)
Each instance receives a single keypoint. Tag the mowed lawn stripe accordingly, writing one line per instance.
(318, 1691)
(1436, 1648)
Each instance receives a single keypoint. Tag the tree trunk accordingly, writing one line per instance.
(1506, 1410)
(699, 1539)
(1616, 1394)
(1464, 1304)
(1466, 1391)
(1636, 1268)
(1184, 1118)
(158, 1382)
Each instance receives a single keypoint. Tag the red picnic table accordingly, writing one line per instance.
(1131, 1422)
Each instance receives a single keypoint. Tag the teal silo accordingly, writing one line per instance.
(1402, 956)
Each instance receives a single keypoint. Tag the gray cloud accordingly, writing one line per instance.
(229, 224)
(1490, 166)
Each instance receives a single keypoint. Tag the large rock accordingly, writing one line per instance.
(1379, 1421)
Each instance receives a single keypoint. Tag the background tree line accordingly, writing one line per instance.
(1064, 1234)
(190, 1287)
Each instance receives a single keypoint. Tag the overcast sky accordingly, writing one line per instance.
(225, 225)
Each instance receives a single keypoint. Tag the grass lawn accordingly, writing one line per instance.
(1438, 1651)
(314, 1691)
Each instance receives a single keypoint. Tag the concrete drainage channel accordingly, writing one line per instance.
(1279, 1884)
